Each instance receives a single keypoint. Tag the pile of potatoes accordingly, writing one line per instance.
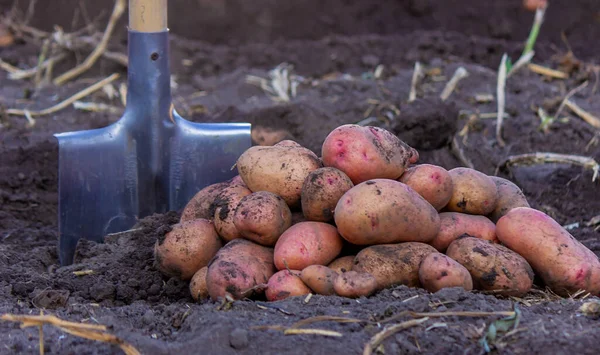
(363, 217)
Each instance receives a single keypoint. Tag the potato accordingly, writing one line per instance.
(187, 248)
(284, 284)
(200, 205)
(198, 288)
(393, 264)
(280, 169)
(473, 192)
(224, 208)
(455, 224)
(262, 217)
(352, 284)
(307, 243)
(509, 197)
(562, 262)
(383, 211)
(439, 271)
(432, 182)
(321, 191)
(342, 264)
(365, 152)
(492, 266)
(239, 269)
(319, 278)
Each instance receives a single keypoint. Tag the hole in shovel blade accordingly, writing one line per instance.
(154, 56)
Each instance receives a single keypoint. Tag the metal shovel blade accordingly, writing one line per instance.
(150, 161)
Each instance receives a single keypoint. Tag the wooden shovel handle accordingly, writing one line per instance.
(148, 15)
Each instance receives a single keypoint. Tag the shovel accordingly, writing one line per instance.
(149, 161)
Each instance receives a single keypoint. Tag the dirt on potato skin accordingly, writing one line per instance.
(157, 315)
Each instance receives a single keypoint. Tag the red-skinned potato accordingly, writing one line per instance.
(352, 284)
(319, 278)
(509, 196)
(342, 264)
(262, 217)
(187, 248)
(284, 284)
(280, 169)
(455, 224)
(473, 192)
(200, 205)
(493, 267)
(321, 191)
(432, 182)
(239, 269)
(438, 271)
(307, 243)
(365, 152)
(393, 264)
(198, 288)
(384, 211)
(224, 209)
(562, 262)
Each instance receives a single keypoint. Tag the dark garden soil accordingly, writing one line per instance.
(335, 47)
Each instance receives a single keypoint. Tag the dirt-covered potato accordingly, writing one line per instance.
(432, 182)
(384, 211)
(393, 264)
(439, 271)
(342, 264)
(473, 192)
(456, 224)
(319, 278)
(284, 284)
(562, 262)
(307, 243)
(509, 196)
(187, 248)
(352, 284)
(492, 266)
(262, 217)
(200, 205)
(197, 286)
(321, 191)
(280, 169)
(224, 207)
(365, 152)
(238, 269)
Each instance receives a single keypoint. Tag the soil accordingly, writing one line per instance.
(336, 55)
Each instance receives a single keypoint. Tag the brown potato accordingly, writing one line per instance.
(321, 191)
(319, 278)
(366, 152)
(439, 271)
(393, 264)
(200, 205)
(352, 284)
(224, 208)
(384, 211)
(239, 269)
(262, 217)
(187, 248)
(307, 243)
(509, 196)
(198, 288)
(342, 264)
(492, 266)
(562, 262)
(473, 192)
(284, 284)
(455, 224)
(280, 169)
(432, 182)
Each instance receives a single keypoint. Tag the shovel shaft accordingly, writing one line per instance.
(148, 15)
